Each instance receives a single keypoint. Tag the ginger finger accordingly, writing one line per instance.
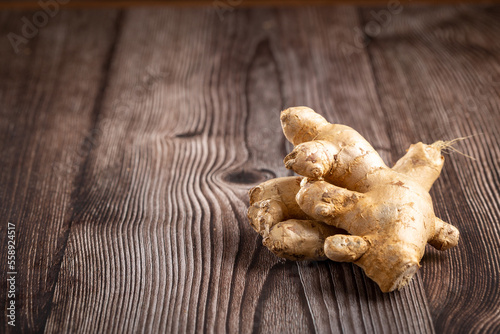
(345, 248)
(445, 237)
(326, 202)
(273, 201)
(299, 239)
(342, 156)
(422, 163)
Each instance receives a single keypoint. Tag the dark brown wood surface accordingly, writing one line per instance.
(130, 137)
(225, 4)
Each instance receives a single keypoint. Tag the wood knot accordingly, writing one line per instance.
(249, 176)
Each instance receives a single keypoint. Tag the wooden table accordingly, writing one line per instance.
(130, 138)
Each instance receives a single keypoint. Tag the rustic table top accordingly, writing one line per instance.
(130, 138)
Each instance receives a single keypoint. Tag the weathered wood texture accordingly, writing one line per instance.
(226, 4)
(49, 99)
(129, 140)
(442, 81)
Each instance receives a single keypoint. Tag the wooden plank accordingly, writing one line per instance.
(226, 5)
(320, 71)
(148, 250)
(48, 95)
(437, 73)
(160, 241)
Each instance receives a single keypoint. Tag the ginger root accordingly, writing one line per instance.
(349, 206)
(286, 230)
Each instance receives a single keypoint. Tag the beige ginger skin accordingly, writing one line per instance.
(349, 206)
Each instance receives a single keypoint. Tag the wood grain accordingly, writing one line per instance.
(46, 111)
(183, 156)
(225, 5)
(168, 116)
(446, 70)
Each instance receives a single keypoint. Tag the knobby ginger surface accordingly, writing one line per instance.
(347, 205)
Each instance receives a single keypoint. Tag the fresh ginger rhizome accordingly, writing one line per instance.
(348, 206)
